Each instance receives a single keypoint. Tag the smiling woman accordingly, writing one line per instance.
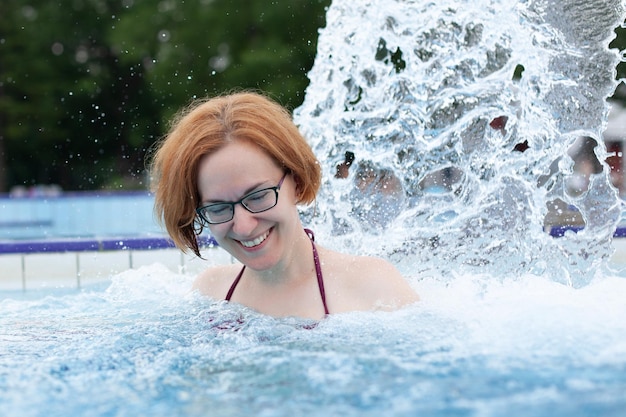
(238, 165)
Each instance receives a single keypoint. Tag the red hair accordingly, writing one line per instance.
(203, 128)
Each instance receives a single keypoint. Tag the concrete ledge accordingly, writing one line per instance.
(82, 268)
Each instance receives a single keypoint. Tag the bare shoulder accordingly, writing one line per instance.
(214, 282)
(370, 283)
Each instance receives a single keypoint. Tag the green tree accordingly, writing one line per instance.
(67, 104)
(28, 111)
(199, 48)
(619, 43)
(86, 87)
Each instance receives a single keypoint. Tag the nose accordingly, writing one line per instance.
(243, 222)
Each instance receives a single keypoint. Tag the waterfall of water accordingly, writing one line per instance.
(443, 129)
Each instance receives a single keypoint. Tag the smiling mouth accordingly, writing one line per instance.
(255, 242)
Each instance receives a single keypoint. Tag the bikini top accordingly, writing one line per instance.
(318, 272)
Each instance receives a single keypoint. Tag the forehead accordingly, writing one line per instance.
(234, 169)
(239, 152)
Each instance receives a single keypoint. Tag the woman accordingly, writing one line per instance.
(238, 165)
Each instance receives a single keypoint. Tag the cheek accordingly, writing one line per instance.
(218, 232)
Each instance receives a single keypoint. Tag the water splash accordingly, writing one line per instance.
(443, 132)
(147, 346)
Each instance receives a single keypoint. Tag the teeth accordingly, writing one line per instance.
(255, 242)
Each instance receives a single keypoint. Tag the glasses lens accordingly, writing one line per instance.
(261, 200)
(217, 213)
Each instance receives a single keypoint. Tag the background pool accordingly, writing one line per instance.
(84, 214)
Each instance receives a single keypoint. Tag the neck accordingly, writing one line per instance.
(297, 264)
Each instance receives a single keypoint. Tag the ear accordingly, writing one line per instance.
(297, 195)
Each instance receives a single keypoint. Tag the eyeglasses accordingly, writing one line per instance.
(255, 202)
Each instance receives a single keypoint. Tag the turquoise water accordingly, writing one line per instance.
(146, 346)
(77, 215)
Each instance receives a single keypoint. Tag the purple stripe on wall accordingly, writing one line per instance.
(92, 245)
(77, 194)
(559, 231)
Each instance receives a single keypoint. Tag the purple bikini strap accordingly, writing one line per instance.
(234, 284)
(318, 270)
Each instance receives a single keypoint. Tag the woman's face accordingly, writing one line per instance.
(258, 240)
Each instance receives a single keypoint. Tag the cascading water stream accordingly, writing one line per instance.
(443, 129)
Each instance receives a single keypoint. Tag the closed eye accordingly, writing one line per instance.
(216, 209)
(259, 195)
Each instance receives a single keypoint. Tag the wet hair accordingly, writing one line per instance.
(204, 127)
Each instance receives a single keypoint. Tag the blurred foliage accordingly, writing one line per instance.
(87, 86)
(619, 43)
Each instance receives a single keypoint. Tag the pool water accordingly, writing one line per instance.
(146, 346)
(76, 214)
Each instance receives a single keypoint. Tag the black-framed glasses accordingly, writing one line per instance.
(255, 202)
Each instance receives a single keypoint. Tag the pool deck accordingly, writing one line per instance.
(37, 271)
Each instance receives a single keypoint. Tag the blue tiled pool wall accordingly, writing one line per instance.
(78, 215)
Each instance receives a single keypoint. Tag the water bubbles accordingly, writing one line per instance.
(166, 6)
(57, 48)
(221, 61)
(164, 35)
(29, 12)
(81, 55)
